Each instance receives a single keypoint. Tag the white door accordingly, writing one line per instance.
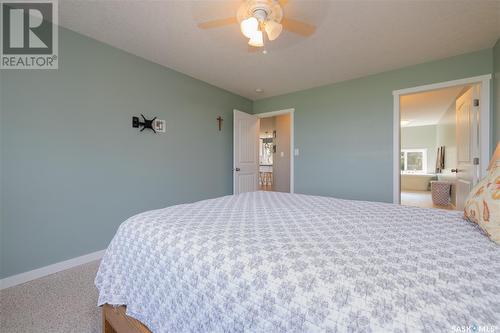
(467, 131)
(245, 152)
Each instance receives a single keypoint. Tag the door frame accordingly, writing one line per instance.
(484, 123)
(291, 111)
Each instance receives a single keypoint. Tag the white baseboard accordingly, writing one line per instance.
(50, 269)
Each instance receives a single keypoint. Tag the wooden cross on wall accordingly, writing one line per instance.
(220, 120)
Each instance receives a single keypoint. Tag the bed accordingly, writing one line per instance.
(280, 262)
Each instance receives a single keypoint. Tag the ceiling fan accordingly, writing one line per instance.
(258, 16)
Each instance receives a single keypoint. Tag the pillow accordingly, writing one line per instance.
(483, 204)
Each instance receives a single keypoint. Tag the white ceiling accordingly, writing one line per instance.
(427, 108)
(353, 38)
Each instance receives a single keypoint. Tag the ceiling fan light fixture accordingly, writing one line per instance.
(249, 27)
(273, 29)
(257, 39)
(256, 17)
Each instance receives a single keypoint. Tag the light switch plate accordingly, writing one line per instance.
(160, 125)
(296, 151)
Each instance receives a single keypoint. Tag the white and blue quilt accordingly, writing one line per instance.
(276, 262)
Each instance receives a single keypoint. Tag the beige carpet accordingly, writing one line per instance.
(59, 303)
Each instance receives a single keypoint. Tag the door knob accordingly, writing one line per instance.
(454, 170)
(237, 169)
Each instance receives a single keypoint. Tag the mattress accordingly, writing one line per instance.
(279, 262)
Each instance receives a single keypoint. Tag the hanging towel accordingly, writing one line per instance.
(440, 159)
(439, 168)
(443, 150)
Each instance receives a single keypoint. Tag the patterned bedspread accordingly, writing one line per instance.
(276, 262)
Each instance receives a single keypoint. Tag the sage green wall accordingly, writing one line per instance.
(344, 130)
(496, 92)
(73, 168)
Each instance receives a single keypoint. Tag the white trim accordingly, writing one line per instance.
(446, 84)
(292, 139)
(234, 157)
(484, 118)
(274, 113)
(14, 280)
(396, 165)
(484, 127)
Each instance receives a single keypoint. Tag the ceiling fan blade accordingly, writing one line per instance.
(217, 23)
(298, 27)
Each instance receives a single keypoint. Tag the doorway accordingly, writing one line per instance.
(441, 142)
(263, 152)
(274, 153)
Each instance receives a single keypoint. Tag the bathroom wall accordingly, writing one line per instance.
(420, 137)
(267, 126)
(446, 136)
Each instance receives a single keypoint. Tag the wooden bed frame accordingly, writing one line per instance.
(114, 320)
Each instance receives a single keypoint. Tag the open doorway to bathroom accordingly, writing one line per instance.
(263, 151)
(439, 146)
(275, 151)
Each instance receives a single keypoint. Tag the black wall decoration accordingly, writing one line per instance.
(220, 120)
(147, 123)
